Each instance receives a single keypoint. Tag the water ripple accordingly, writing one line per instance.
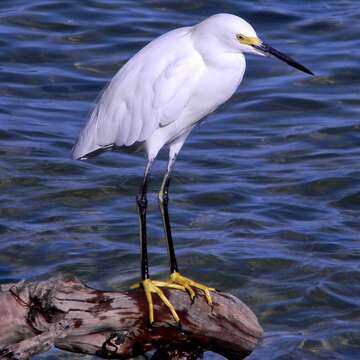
(265, 197)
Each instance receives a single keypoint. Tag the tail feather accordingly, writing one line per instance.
(93, 153)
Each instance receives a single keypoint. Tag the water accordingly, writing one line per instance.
(266, 196)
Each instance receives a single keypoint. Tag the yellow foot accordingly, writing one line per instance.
(188, 284)
(153, 287)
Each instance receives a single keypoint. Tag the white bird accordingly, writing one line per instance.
(157, 98)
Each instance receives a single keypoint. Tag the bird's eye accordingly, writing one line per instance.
(239, 37)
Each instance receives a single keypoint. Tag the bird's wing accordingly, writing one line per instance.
(175, 86)
(149, 92)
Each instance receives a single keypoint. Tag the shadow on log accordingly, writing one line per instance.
(67, 314)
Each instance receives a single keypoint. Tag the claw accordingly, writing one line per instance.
(154, 287)
(177, 282)
(177, 278)
(190, 291)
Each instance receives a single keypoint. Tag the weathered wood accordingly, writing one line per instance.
(71, 316)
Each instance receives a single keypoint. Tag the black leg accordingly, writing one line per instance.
(141, 201)
(163, 201)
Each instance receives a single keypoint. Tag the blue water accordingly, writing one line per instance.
(265, 201)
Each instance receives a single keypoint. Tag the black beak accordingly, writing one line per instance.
(268, 50)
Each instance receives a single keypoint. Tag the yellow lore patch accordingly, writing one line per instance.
(248, 40)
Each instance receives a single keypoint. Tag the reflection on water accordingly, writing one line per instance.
(266, 196)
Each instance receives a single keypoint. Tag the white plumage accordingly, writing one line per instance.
(168, 86)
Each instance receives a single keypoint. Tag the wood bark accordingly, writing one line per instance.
(63, 312)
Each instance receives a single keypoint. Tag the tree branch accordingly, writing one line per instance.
(67, 314)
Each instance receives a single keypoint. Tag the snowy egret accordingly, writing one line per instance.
(157, 98)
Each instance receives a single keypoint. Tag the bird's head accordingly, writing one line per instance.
(231, 33)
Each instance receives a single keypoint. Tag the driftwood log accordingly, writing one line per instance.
(63, 312)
